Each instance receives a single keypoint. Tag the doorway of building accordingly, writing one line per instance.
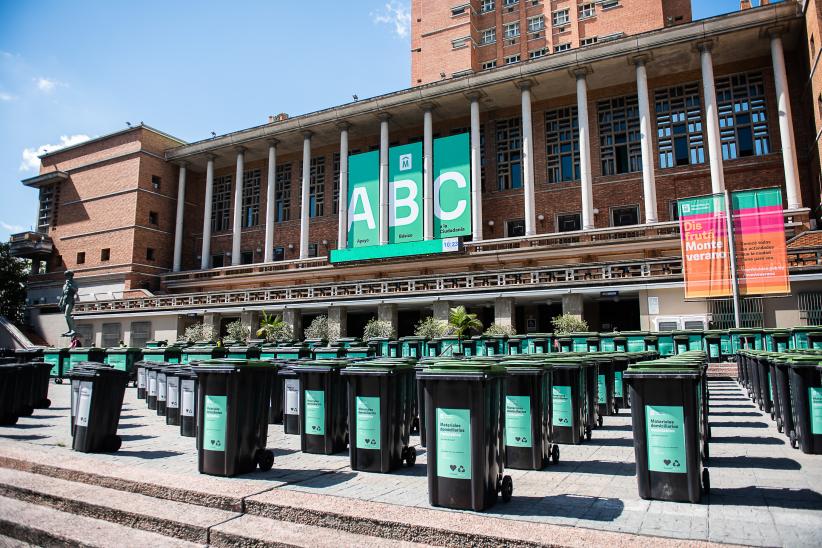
(618, 314)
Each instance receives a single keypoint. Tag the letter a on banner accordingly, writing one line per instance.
(706, 257)
(759, 239)
(363, 199)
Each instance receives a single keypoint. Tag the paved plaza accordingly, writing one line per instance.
(763, 492)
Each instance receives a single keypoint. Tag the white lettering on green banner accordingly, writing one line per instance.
(563, 411)
(214, 421)
(368, 422)
(315, 412)
(815, 402)
(452, 186)
(453, 443)
(518, 421)
(405, 218)
(665, 431)
(602, 390)
(363, 199)
(618, 384)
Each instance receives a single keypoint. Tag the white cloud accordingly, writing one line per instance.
(11, 228)
(396, 14)
(31, 162)
(47, 85)
(7, 97)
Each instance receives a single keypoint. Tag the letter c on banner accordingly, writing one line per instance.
(461, 205)
(409, 201)
(360, 195)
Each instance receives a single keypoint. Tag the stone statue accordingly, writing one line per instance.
(66, 302)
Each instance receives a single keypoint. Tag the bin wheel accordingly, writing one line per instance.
(410, 456)
(587, 432)
(58, 381)
(706, 481)
(9, 420)
(599, 421)
(616, 409)
(706, 454)
(45, 403)
(113, 444)
(773, 415)
(794, 441)
(27, 411)
(779, 424)
(507, 489)
(555, 454)
(265, 459)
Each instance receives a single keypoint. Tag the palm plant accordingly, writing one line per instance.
(270, 326)
(463, 323)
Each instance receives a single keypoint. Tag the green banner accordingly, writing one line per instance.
(815, 404)
(214, 421)
(406, 249)
(453, 443)
(602, 390)
(405, 214)
(364, 199)
(618, 384)
(518, 421)
(665, 431)
(315, 412)
(368, 422)
(452, 186)
(563, 411)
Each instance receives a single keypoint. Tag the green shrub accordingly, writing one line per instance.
(497, 329)
(567, 323)
(378, 328)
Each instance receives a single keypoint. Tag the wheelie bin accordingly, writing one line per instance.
(86, 354)
(28, 355)
(815, 338)
(465, 446)
(395, 349)
(23, 389)
(591, 369)
(411, 347)
(292, 353)
(151, 383)
(542, 343)
(39, 398)
(201, 352)
(605, 386)
(324, 413)
(380, 394)
(162, 390)
(665, 344)
(243, 352)
(291, 400)
(665, 414)
(59, 359)
(620, 343)
(167, 354)
(173, 395)
(328, 353)
(275, 408)
(379, 345)
(569, 402)
(516, 345)
(783, 386)
(100, 399)
(758, 360)
(527, 411)
(188, 402)
(713, 345)
(495, 345)
(124, 358)
(565, 344)
(620, 363)
(806, 386)
(232, 426)
(8, 381)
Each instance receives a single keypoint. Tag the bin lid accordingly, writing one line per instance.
(805, 360)
(227, 365)
(377, 367)
(123, 350)
(525, 366)
(306, 365)
(667, 374)
(464, 366)
(52, 350)
(85, 350)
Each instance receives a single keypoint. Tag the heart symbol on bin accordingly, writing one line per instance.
(453, 467)
(667, 462)
(518, 438)
(367, 440)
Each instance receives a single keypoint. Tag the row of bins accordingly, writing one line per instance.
(23, 388)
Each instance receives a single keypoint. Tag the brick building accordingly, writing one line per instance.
(577, 160)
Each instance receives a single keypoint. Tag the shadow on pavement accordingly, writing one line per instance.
(798, 499)
(135, 437)
(150, 455)
(418, 470)
(281, 452)
(603, 467)
(747, 440)
(130, 426)
(24, 426)
(735, 413)
(563, 506)
(739, 424)
(610, 442)
(765, 463)
(23, 437)
(45, 416)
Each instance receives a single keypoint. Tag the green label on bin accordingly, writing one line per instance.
(214, 423)
(618, 384)
(315, 412)
(815, 400)
(518, 421)
(368, 422)
(665, 431)
(781, 347)
(602, 391)
(454, 443)
(713, 350)
(770, 386)
(563, 414)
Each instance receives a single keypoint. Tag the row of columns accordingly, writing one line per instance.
(714, 145)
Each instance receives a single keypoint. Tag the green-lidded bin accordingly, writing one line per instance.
(591, 369)
(9, 412)
(605, 386)
(781, 372)
(606, 341)
(167, 354)
(665, 343)
(203, 352)
(579, 341)
(542, 343)
(666, 417)
(324, 413)
(156, 344)
(359, 352)
(802, 337)
(411, 347)
(527, 411)
(745, 339)
(620, 364)
(291, 400)
(291, 353)
(172, 413)
(713, 345)
(463, 415)
(380, 401)
(328, 353)
(806, 387)
(86, 354)
(569, 401)
(495, 345)
(348, 342)
(517, 344)
(275, 408)
(27, 355)
(243, 352)
(59, 359)
(99, 401)
(124, 358)
(636, 340)
(777, 340)
(379, 345)
(394, 349)
(232, 426)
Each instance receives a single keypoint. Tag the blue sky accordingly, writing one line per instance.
(73, 70)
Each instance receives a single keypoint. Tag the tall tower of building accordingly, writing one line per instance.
(455, 38)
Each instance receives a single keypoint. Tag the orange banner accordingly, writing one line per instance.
(706, 258)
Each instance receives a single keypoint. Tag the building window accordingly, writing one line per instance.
(149, 253)
(460, 43)
(620, 149)
(279, 253)
(217, 260)
(153, 218)
(536, 24)
(251, 198)
(488, 36)
(140, 334)
(156, 181)
(112, 335)
(512, 30)
(588, 41)
(679, 126)
(47, 214)
(335, 195)
(743, 123)
(568, 222)
(610, 4)
(486, 6)
(459, 10)
(536, 54)
(562, 47)
(81, 257)
(562, 144)
(282, 193)
(673, 210)
(587, 10)
(246, 257)
(509, 153)
(312, 249)
(515, 229)
(221, 204)
(511, 59)
(105, 254)
(625, 216)
(560, 18)
(509, 3)
(316, 187)
(491, 64)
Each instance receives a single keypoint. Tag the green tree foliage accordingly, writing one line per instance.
(13, 276)
(567, 323)
(237, 331)
(496, 329)
(431, 328)
(377, 328)
(462, 323)
(274, 329)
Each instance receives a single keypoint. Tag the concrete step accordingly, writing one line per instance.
(43, 526)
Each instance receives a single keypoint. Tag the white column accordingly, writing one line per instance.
(383, 230)
(428, 172)
(586, 183)
(711, 119)
(178, 227)
(342, 201)
(527, 158)
(238, 208)
(305, 195)
(205, 257)
(270, 201)
(783, 99)
(476, 169)
(646, 141)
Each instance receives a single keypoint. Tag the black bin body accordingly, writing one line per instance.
(188, 402)
(666, 415)
(232, 423)
(591, 370)
(527, 411)
(605, 387)
(275, 409)
(807, 389)
(783, 387)
(141, 380)
(172, 395)
(100, 400)
(39, 398)
(324, 409)
(621, 400)
(291, 400)
(162, 391)
(380, 411)
(9, 413)
(151, 384)
(569, 417)
(419, 402)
